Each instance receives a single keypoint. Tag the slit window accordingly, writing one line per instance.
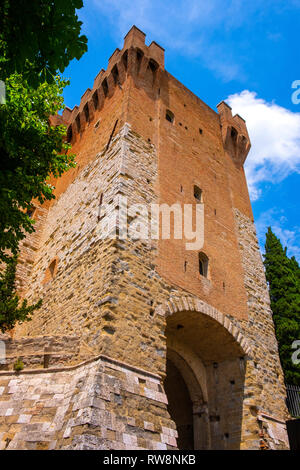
(169, 116)
(198, 193)
(100, 205)
(203, 264)
(52, 267)
(153, 66)
(30, 211)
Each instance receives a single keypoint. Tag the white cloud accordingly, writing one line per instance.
(276, 219)
(275, 136)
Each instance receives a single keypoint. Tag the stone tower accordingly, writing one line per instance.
(142, 343)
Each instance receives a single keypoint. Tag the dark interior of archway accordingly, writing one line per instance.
(180, 406)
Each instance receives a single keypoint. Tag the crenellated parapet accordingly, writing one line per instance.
(135, 59)
(234, 134)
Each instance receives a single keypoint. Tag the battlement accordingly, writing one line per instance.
(144, 64)
(234, 134)
(135, 59)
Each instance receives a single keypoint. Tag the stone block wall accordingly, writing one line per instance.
(101, 404)
(39, 351)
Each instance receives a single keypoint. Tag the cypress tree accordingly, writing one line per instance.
(283, 277)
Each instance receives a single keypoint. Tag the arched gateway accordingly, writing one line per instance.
(205, 375)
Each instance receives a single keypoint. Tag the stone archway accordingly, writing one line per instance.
(184, 303)
(206, 357)
(185, 386)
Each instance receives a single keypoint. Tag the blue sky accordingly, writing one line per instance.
(246, 52)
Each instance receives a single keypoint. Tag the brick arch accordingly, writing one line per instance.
(184, 303)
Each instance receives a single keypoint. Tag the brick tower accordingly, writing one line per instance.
(142, 343)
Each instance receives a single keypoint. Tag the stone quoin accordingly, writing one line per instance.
(143, 344)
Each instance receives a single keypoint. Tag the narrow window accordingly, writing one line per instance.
(30, 211)
(153, 66)
(198, 193)
(52, 268)
(99, 208)
(169, 116)
(203, 264)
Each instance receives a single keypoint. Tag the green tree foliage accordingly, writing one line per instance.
(11, 309)
(39, 38)
(283, 276)
(30, 150)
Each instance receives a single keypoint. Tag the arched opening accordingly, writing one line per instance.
(204, 382)
(95, 99)
(77, 120)
(180, 406)
(69, 134)
(198, 193)
(203, 264)
(105, 87)
(86, 112)
(169, 116)
(139, 57)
